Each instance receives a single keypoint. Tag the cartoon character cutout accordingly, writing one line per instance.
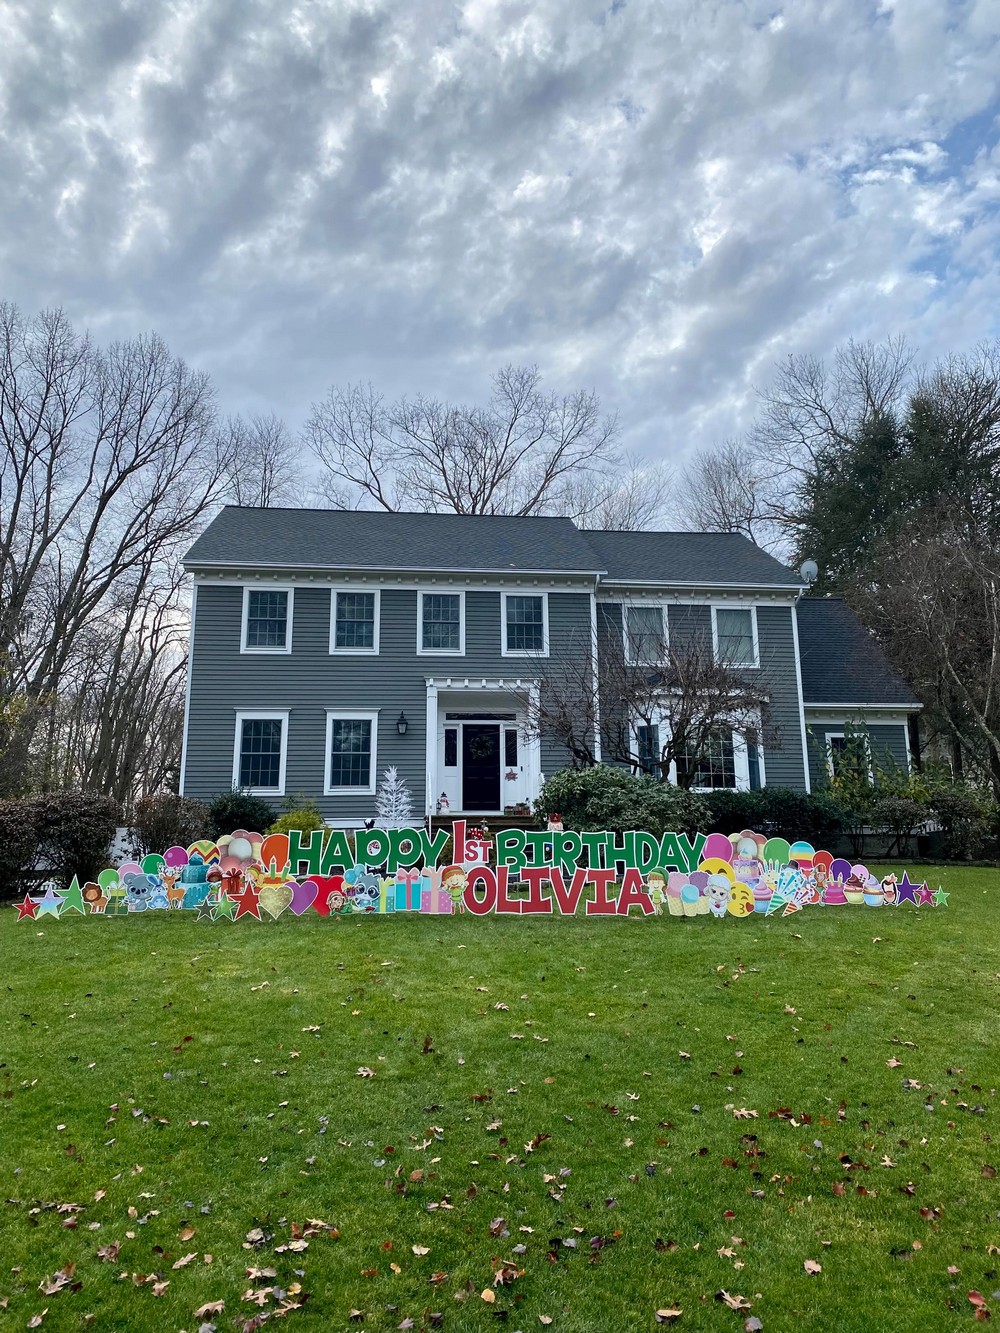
(138, 891)
(94, 897)
(747, 848)
(339, 904)
(656, 887)
(717, 891)
(454, 881)
(555, 823)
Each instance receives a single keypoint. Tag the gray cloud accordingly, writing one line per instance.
(661, 199)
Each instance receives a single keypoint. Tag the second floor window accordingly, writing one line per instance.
(524, 624)
(735, 636)
(355, 622)
(644, 637)
(267, 620)
(441, 622)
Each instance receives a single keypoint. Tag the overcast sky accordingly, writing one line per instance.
(659, 198)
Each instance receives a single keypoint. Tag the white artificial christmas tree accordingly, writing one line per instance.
(393, 805)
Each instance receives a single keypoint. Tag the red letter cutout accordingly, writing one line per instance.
(505, 905)
(634, 895)
(480, 906)
(535, 903)
(602, 905)
(568, 899)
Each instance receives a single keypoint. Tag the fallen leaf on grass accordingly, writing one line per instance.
(210, 1307)
(668, 1315)
(811, 1266)
(365, 1072)
(160, 1287)
(734, 1302)
(488, 1295)
(36, 1319)
(186, 1259)
(420, 1249)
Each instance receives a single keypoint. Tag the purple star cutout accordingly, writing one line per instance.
(906, 891)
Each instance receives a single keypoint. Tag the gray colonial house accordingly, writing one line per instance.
(328, 645)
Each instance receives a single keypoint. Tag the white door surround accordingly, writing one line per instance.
(488, 705)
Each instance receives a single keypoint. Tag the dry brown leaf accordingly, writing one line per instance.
(488, 1295)
(811, 1266)
(420, 1249)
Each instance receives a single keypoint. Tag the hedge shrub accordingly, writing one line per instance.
(19, 840)
(602, 797)
(304, 814)
(777, 812)
(166, 820)
(238, 809)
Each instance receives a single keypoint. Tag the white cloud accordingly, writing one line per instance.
(658, 198)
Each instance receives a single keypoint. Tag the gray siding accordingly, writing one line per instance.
(784, 762)
(887, 739)
(310, 680)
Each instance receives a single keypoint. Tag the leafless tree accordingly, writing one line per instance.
(630, 498)
(265, 466)
(935, 602)
(521, 453)
(731, 487)
(663, 716)
(109, 460)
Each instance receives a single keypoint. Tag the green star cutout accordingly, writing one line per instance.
(206, 910)
(225, 907)
(72, 899)
(940, 898)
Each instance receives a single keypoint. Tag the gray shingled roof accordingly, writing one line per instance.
(689, 557)
(337, 539)
(841, 661)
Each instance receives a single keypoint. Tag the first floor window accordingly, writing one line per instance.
(524, 624)
(715, 766)
(351, 753)
(848, 756)
(644, 637)
(648, 746)
(734, 636)
(266, 612)
(260, 753)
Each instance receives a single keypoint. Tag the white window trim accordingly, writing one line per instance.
(829, 736)
(737, 606)
(353, 588)
(515, 652)
(441, 652)
(261, 715)
(248, 588)
(741, 759)
(351, 715)
(664, 626)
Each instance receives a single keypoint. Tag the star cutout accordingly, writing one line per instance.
(247, 904)
(50, 904)
(906, 890)
(924, 896)
(940, 898)
(206, 910)
(225, 907)
(26, 908)
(72, 899)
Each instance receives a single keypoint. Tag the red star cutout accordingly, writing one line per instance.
(246, 904)
(27, 908)
(924, 897)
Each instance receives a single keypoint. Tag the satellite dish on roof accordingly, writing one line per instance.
(809, 571)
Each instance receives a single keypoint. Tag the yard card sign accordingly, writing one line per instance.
(511, 872)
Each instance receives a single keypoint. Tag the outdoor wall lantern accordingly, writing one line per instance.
(401, 723)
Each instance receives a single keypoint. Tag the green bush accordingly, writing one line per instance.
(302, 814)
(896, 816)
(967, 816)
(777, 812)
(238, 809)
(165, 820)
(74, 831)
(19, 840)
(602, 797)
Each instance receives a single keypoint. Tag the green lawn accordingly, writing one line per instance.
(183, 1084)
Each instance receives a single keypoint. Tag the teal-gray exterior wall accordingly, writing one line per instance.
(887, 740)
(309, 680)
(785, 764)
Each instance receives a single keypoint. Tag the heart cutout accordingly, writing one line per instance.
(303, 896)
(275, 898)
